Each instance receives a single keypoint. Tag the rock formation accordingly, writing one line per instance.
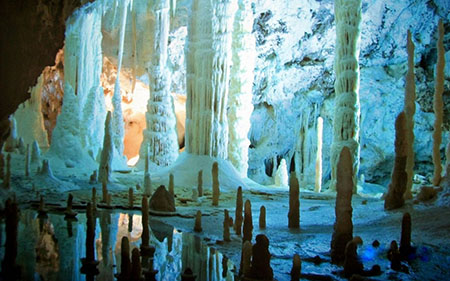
(106, 158)
(35, 152)
(238, 212)
(281, 175)
(352, 263)
(394, 256)
(136, 268)
(162, 200)
(438, 106)
(200, 183)
(318, 178)
(397, 187)
(240, 104)
(296, 268)
(248, 222)
(130, 198)
(410, 110)
(246, 259)
(215, 184)
(347, 109)
(147, 185)
(294, 202)
(343, 226)
(12, 141)
(226, 226)
(171, 189)
(21, 146)
(198, 222)
(145, 238)
(405, 240)
(125, 262)
(104, 192)
(262, 217)
(260, 268)
(27, 161)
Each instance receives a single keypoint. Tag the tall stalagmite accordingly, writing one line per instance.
(410, 110)
(248, 222)
(346, 66)
(240, 105)
(215, 183)
(238, 212)
(343, 226)
(394, 198)
(438, 105)
(161, 132)
(104, 169)
(208, 59)
(294, 202)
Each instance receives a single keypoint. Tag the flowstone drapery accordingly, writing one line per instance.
(346, 66)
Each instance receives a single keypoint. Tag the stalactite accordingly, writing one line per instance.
(318, 178)
(240, 105)
(343, 226)
(410, 109)
(208, 61)
(347, 109)
(161, 132)
(438, 105)
(294, 202)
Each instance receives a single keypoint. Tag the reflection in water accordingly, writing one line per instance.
(55, 253)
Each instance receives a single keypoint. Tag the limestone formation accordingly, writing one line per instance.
(162, 200)
(106, 158)
(405, 241)
(104, 192)
(147, 185)
(171, 189)
(246, 259)
(238, 212)
(318, 178)
(21, 146)
(69, 213)
(248, 222)
(240, 104)
(35, 152)
(438, 106)
(261, 269)
(10, 270)
(296, 268)
(294, 202)
(198, 222)
(410, 110)
(145, 238)
(12, 140)
(46, 169)
(160, 133)
(226, 226)
(394, 198)
(343, 226)
(262, 217)
(394, 256)
(130, 198)
(208, 58)
(352, 263)
(27, 161)
(281, 175)
(7, 178)
(136, 268)
(346, 66)
(200, 183)
(215, 184)
(125, 262)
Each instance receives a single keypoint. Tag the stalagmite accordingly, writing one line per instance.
(12, 141)
(346, 66)
(246, 258)
(160, 134)
(104, 192)
(343, 226)
(10, 270)
(281, 175)
(7, 178)
(405, 241)
(318, 182)
(394, 257)
(106, 158)
(21, 146)
(147, 185)
(145, 238)
(261, 269)
(89, 264)
(438, 106)
(27, 161)
(215, 183)
(200, 183)
(93, 177)
(238, 212)
(171, 189)
(108, 200)
(248, 222)
(69, 213)
(294, 202)
(198, 222)
(262, 217)
(194, 194)
(240, 106)
(162, 200)
(136, 268)
(352, 263)
(2, 166)
(94, 200)
(208, 58)
(35, 152)
(130, 198)
(46, 169)
(226, 226)
(394, 198)
(410, 110)
(296, 268)
(125, 263)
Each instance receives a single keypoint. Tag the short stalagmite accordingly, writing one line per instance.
(238, 212)
(246, 258)
(262, 217)
(352, 263)
(405, 240)
(343, 226)
(248, 222)
(261, 269)
(198, 222)
(215, 183)
(296, 268)
(35, 152)
(394, 198)
(226, 226)
(200, 183)
(21, 146)
(294, 203)
(394, 257)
